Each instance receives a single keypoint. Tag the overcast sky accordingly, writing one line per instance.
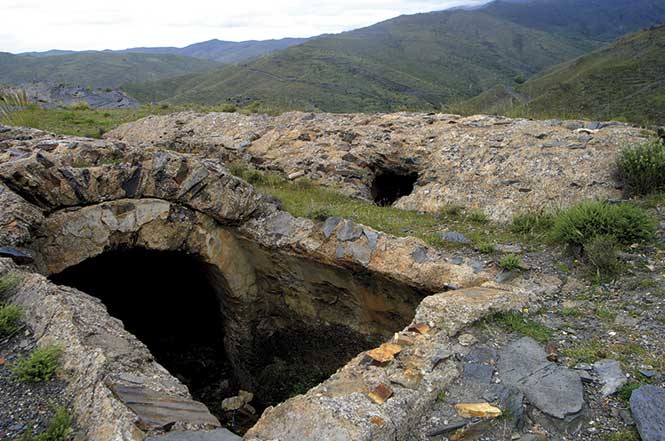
(37, 25)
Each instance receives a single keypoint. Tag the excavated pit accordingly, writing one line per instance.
(171, 301)
(183, 310)
(390, 185)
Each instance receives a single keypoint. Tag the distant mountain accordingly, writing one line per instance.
(97, 69)
(421, 61)
(625, 80)
(225, 51)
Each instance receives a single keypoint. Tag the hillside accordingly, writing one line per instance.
(624, 81)
(97, 69)
(227, 52)
(421, 61)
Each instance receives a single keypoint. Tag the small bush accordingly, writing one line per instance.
(478, 216)
(486, 248)
(451, 211)
(39, 366)
(7, 283)
(642, 168)
(532, 222)
(81, 105)
(627, 389)
(59, 428)
(626, 435)
(10, 316)
(510, 262)
(582, 222)
(602, 255)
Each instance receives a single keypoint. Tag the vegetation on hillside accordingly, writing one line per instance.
(417, 62)
(97, 69)
(624, 81)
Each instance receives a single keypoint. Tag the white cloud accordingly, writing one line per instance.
(36, 25)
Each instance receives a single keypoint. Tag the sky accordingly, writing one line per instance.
(38, 25)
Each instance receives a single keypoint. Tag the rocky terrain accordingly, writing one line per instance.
(501, 165)
(412, 342)
(50, 96)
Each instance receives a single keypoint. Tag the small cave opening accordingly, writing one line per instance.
(171, 301)
(389, 185)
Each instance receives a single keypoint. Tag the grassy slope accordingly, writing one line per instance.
(97, 69)
(416, 62)
(411, 62)
(623, 81)
(223, 51)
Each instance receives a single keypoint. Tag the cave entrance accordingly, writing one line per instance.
(171, 301)
(390, 185)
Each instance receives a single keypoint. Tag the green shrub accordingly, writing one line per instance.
(10, 316)
(7, 283)
(451, 211)
(602, 255)
(59, 428)
(81, 105)
(627, 389)
(39, 366)
(582, 222)
(478, 216)
(510, 262)
(642, 168)
(486, 248)
(532, 222)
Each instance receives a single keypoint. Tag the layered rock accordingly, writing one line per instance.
(66, 200)
(500, 165)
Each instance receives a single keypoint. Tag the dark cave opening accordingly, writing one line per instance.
(390, 185)
(171, 301)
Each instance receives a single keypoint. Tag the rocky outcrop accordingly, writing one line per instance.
(52, 96)
(369, 400)
(500, 165)
(67, 200)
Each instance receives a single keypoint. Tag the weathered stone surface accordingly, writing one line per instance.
(478, 373)
(454, 309)
(160, 411)
(97, 351)
(555, 390)
(214, 435)
(480, 410)
(611, 375)
(340, 409)
(498, 164)
(647, 404)
(16, 255)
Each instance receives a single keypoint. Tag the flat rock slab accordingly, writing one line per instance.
(215, 435)
(647, 405)
(611, 375)
(156, 410)
(553, 389)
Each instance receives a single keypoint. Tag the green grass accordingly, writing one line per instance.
(520, 323)
(532, 222)
(510, 262)
(10, 316)
(580, 223)
(59, 428)
(41, 365)
(7, 283)
(303, 198)
(642, 167)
